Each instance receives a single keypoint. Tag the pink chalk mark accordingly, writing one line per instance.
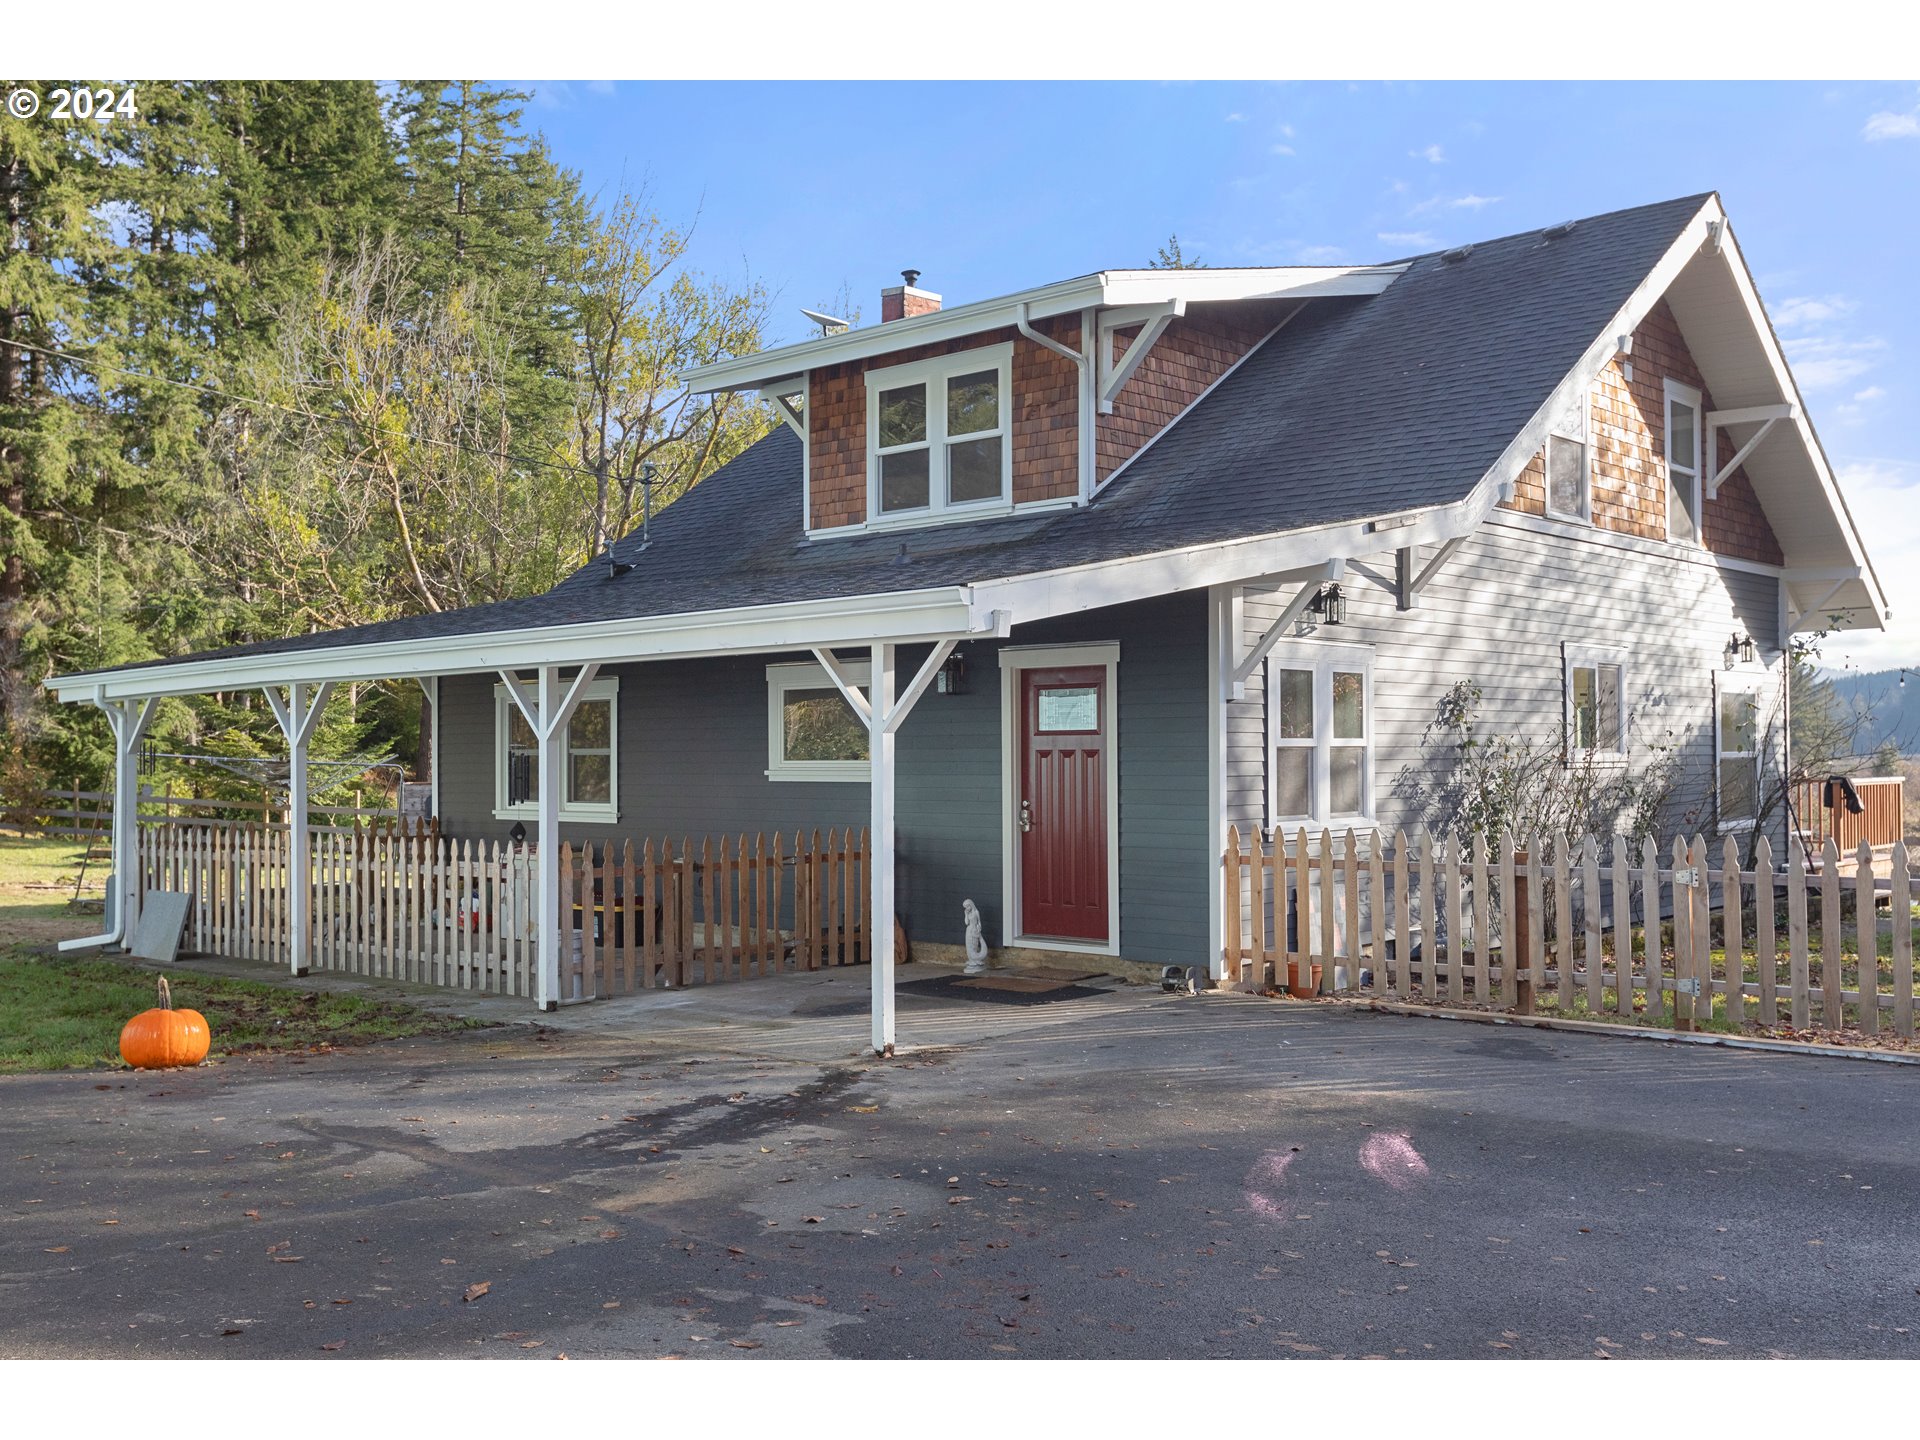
(1391, 1159)
(1269, 1172)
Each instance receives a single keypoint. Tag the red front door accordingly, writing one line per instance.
(1062, 824)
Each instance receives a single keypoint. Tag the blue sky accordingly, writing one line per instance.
(988, 188)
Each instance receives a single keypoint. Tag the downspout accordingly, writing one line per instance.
(1084, 460)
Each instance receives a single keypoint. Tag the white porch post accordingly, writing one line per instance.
(129, 721)
(548, 711)
(547, 856)
(880, 750)
(299, 716)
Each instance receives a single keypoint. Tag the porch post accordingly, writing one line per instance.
(299, 717)
(129, 721)
(547, 857)
(880, 752)
(548, 711)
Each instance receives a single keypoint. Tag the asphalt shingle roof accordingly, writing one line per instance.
(1356, 408)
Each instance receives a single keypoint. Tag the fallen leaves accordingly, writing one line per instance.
(334, 1345)
(475, 1291)
(744, 1344)
(58, 1249)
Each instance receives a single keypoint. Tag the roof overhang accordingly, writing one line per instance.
(1108, 289)
(1827, 579)
(903, 618)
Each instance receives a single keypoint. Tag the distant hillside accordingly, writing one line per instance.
(1895, 710)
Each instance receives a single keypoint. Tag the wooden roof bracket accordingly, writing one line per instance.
(1296, 607)
(1154, 320)
(1716, 420)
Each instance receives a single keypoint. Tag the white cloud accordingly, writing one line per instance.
(1822, 362)
(1887, 125)
(1798, 310)
(1884, 499)
(1872, 392)
(1236, 118)
(1411, 239)
(1432, 154)
(1319, 255)
(1458, 202)
(1283, 150)
(600, 87)
(1287, 131)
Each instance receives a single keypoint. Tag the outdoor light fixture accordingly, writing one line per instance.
(1330, 606)
(1741, 648)
(952, 677)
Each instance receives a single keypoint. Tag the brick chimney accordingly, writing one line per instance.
(903, 302)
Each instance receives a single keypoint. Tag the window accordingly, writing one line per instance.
(1596, 688)
(1683, 463)
(812, 733)
(1737, 743)
(1319, 732)
(1569, 493)
(592, 758)
(939, 438)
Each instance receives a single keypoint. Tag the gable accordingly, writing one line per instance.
(1626, 430)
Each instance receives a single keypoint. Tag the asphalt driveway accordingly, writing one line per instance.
(1121, 1175)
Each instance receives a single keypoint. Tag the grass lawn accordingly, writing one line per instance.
(59, 1014)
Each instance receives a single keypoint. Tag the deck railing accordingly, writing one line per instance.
(1881, 821)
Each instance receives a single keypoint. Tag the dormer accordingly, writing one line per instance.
(1017, 405)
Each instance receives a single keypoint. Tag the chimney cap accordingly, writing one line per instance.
(912, 277)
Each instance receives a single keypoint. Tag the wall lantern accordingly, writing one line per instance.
(1739, 648)
(1330, 606)
(952, 677)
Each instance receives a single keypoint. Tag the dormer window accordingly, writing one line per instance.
(938, 439)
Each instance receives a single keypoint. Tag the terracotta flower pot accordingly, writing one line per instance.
(1301, 985)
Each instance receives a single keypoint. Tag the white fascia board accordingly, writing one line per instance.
(1113, 582)
(1112, 287)
(921, 615)
(1789, 391)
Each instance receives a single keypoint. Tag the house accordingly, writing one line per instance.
(1051, 589)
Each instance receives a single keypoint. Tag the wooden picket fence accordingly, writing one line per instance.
(731, 908)
(1675, 940)
(400, 901)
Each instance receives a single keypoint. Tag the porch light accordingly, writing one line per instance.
(951, 678)
(1739, 648)
(1330, 606)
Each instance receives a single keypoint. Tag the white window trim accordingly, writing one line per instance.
(1014, 659)
(608, 689)
(1575, 657)
(809, 675)
(1323, 658)
(1563, 431)
(1737, 682)
(1688, 396)
(934, 373)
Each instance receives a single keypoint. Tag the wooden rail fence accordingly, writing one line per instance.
(1673, 939)
(402, 902)
(88, 814)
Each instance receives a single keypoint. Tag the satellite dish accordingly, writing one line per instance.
(829, 324)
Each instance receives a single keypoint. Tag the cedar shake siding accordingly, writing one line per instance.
(1190, 355)
(1193, 353)
(1626, 433)
(1046, 388)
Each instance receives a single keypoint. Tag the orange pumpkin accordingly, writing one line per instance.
(156, 1039)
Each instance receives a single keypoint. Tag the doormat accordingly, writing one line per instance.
(1001, 989)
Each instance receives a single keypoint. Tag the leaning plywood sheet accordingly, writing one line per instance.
(163, 918)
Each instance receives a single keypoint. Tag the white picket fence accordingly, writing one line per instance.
(1452, 921)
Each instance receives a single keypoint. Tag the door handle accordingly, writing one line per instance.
(1026, 816)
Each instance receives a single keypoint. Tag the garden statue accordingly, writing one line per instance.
(976, 942)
